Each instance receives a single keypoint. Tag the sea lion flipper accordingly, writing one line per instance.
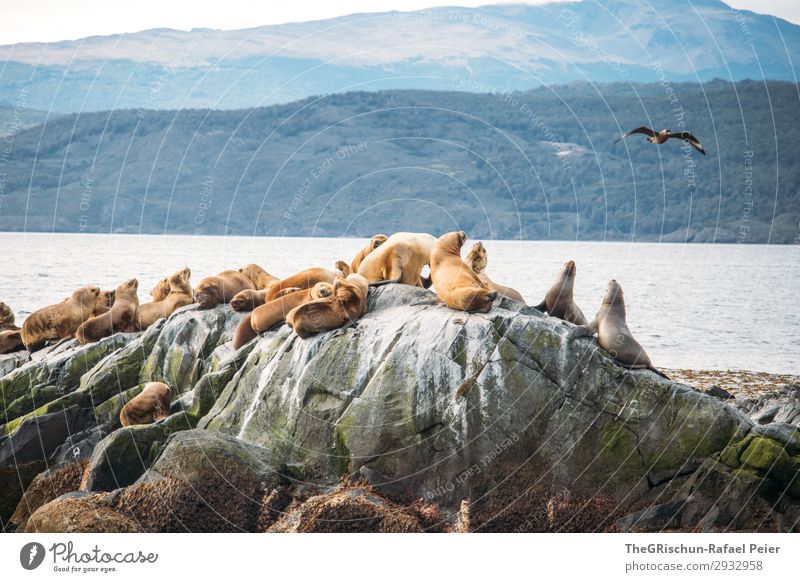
(660, 373)
(542, 306)
(343, 268)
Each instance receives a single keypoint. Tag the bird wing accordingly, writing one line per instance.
(690, 138)
(645, 130)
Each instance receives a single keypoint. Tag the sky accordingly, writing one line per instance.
(54, 20)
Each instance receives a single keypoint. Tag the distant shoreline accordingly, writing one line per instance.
(277, 236)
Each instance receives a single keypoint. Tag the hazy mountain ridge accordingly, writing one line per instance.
(492, 48)
(540, 165)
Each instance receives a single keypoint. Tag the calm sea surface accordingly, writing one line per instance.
(691, 306)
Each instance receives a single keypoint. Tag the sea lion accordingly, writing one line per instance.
(477, 260)
(11, 341)
(10, 333)
(60, 321)
(260, 278)
(456, 284)
(558, 300)
(249, 299)
(613, 334)
(120, 318)
(180, 294)
(273, 312)
(221, 288)
(6, 318)
(373, 244)
(400, 259)
(150, 405)
(346, 304)
(161, 290)
(302, 280)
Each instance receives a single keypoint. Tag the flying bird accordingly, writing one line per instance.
(663, 135)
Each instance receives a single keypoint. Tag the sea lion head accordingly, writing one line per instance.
(569, 269)
(6, 316)
(477, 258)
(86, 295)
(377, 241)
(322, 290)
(161, 290)
(207, 294)
(104, 301)
(452, 241)
(614, 294)
(179, 282)
(127, 289)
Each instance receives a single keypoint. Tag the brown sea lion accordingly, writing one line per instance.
(345, 305)
(302, 280)
(161, 290)
(6, 318)
(613, 335)
(120, 318)
(477, 260)
(455, 282)
(273, 312)
(150, 405)
(11, 341)
(59, 321)
(180, 294)
(249, 299)
(558, 300)
(221, 288)
(260, 278)
(399, 260)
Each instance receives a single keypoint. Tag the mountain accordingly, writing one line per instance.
(488, 49)
(540, 164)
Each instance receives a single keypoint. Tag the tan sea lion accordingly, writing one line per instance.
(120, 318)
(302, 280)
(373, 244)
(249, 299)
(180, 294)
(60, 321)
(221, 288)
(150, 405)
(260, 278)
(456, 284)
(161, 290)
(273, 312)
(613, 335)
(558, 300)
(399, 260)
(346, 305)
(6, 318)
(477, 260)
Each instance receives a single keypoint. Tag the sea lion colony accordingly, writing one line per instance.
(318, 299)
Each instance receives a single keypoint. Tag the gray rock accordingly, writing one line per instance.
(125, 454)
(185, 347)
(12, 361)
(419, 398)
(45, 379)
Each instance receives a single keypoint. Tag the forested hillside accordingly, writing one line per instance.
(540, 164)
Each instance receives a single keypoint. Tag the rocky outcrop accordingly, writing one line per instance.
(59, 404)
(416, 417)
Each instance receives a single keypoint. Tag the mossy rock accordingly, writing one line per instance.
(124, 455)
(108, 412)
(771, 458)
